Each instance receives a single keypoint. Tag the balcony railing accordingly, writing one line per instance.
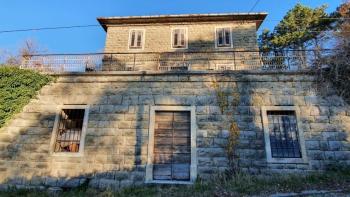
(170, 61)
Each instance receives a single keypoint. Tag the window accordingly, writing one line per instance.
(223, 37)
(283, 133)
(224, 66)
(179, 38)
(69, 129)
(172, 145)
(283, 138)
(136, 39)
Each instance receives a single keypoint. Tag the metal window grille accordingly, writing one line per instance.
(69, 130)
(284, 137)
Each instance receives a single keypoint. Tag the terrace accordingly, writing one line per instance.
(173, 61)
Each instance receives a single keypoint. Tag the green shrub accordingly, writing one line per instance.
(17, 87)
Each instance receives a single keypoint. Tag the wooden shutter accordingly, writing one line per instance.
(139, 39)
(182, 36)
(132, 44)
(172, 146)
(220, 37)
(176, 37)
(227, 36)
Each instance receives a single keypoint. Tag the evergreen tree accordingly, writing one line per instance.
(299, 27)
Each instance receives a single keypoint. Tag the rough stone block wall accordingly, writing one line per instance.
(116, 142)
(201, 37)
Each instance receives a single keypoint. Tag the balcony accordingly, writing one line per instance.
(172, 61)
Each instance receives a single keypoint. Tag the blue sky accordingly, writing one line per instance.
(22, 14)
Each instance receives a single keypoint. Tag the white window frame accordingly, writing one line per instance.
(270, 159)
(143, 38)
(150, 157)
(216, 38)
(172, 37)
(83, 132)
(232, 65)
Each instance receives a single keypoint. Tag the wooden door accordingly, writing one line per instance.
(172, 146)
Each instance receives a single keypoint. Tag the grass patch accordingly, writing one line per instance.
(17, 87)
(239, 185)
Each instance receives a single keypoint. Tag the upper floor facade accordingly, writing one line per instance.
(182, 33)
(174, 42)
(180, 42)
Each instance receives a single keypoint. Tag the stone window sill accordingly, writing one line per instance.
(169, 182)
(287, 160)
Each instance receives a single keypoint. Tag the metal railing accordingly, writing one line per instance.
(169, 61)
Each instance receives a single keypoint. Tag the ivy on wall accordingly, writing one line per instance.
(228, 99)
(17, 87)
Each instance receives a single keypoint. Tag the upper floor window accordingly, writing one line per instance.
(136, 39)
(223, 37)
(179, 38)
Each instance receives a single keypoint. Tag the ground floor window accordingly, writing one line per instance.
(172, 155)
(69, 129)
(283, 138)
(283, 131)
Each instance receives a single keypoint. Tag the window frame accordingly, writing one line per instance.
(172, 38)
(270, 159)
(80, 153)
(231, 65)
(217, 41)
(143, 38)
(150, 155)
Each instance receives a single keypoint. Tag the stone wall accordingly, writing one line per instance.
(201, 37)
(115, 151)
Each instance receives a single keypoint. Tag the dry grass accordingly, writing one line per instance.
(239, 185)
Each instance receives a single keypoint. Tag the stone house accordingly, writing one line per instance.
(162, 104)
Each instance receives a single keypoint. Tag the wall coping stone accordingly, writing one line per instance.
(188, 76)
(229, 72)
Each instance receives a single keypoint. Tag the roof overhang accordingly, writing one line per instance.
(258, 18)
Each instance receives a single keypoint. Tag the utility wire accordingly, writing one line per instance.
(49, 28)
(94, 25)
(256, 3)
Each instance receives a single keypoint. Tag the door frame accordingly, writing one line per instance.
(150, 156)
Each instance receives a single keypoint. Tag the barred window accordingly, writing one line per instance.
(283, 133)
(223, 37)
(69, 130)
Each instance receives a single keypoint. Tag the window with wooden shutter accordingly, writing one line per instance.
(172, 146)
(179, 38)
(223, 37)
(136, 39)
